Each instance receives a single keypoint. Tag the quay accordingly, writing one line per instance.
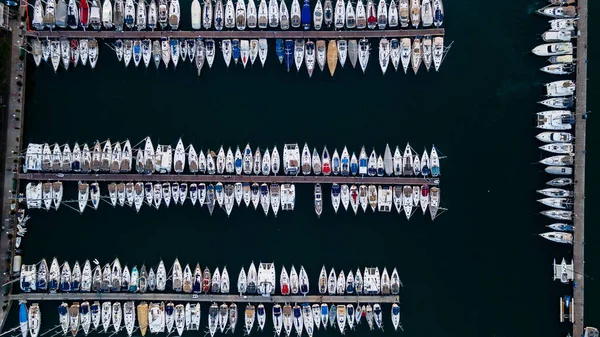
(231, 34)
(11, 140)
(206, 178)
(579, 172)
(160, 297)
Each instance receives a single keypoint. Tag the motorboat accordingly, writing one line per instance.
(558, 12)
(318, 199)
(551, 49)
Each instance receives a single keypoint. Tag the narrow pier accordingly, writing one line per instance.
(206, 178)
(12, 124)
(160, 297)
(231, 34)
(579, 187)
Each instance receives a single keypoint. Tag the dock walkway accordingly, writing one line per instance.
(219, 298)
(580, 149)
(282, 179)
(237, 34)
(12, 136)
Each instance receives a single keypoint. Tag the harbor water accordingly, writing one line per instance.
(479, 269)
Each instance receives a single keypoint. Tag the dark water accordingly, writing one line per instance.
(479, 270)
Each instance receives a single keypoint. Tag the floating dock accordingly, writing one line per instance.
(579, 187)
(206, 178)
(159, 297)
(231, 34)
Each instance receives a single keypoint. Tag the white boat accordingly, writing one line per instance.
(240, 15)
(416, 55)
(555, 137)
(559, 237)
(242, 282)
(298, 52)
(382, 13)
(295, 14)
(405, 53)
(310, 57)
(335, 196)
(318, 193)
(558, 35)
(219, 13)
(174, 12)
(318, 15)
(255, 195)
(438, 51)
(555, 120)
(361, 16)
(558, 12)
(273, 13)
(277, 319)
(556, 192)
(340, 317)
(393, 14)
(249, 317)
(339, 14)
(208, 14)
(350, 16)
(550, 49)
(65, 53)
(363, 54)
(196, 15)
(308, 320)
(244, 51)
(560, 88)
(265, 198)
(342, 48)
(263, 14)
(222, 316)
(226, 50)
(558, 214)
(251, 18)
(384, 54)
(328, 13)
(555, 24)
(559, 148)
(558, 69)
(294, 282)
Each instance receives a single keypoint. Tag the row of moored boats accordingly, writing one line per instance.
(115, 157)
(558, 140)
(274, 196)
(312, 54)
(341, 15)
(67, 52)
(112, 277)
(158, 317)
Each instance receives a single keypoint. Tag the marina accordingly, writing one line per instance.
(562, 199)
(567, 144)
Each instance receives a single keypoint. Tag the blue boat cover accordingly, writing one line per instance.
(261, 310)
(22, 313)
(297, 312)
(324, 310)
(395, 310)
(62, 310)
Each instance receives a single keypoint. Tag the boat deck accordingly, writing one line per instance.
(281, 179)
(579, 187)
(230, 34)
(179, 297)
